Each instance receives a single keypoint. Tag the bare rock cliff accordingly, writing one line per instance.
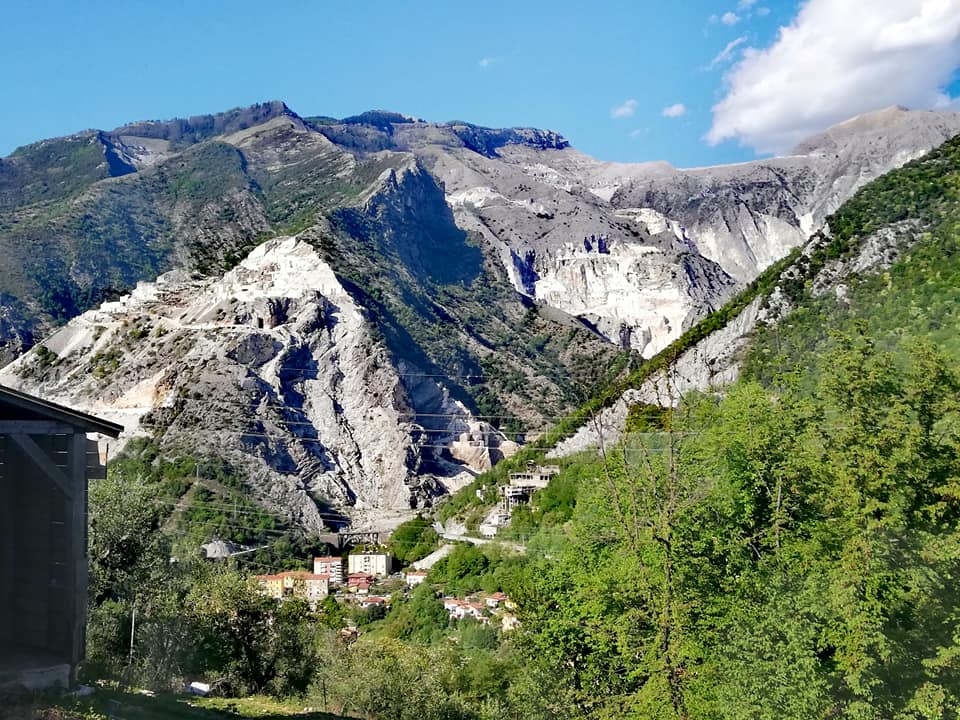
(273, 365)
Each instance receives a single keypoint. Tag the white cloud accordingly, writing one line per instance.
(634, 134)
(624, 110)
(746, 4)
(763, 11)
(729, 18)
(725, 54)
(674, 111)
(486, 62)
(839, 58)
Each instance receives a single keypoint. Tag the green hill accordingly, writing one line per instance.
(917, 296)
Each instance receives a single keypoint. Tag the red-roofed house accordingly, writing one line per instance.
(494, 600)
(355, 579)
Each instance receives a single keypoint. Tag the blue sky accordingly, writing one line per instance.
(601, 73)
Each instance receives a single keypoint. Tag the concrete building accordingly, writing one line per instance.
(332, 566)
(537, 477)
(46, 462)
(519, 492)
(378, 564)
(313, 588)
(414, 577)
(495, 520)
(295, 584)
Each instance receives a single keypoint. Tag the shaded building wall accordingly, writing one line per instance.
(38, 570)
(8, 499)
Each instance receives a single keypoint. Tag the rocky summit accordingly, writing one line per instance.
(361, 313)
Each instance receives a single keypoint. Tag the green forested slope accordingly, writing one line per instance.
(917, 297)
(790, 550)
(785, 556)
(789, 555)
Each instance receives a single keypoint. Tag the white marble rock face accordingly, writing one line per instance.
(224, 357)
(683, 240)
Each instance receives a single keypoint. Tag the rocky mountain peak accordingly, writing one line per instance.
(188, 131)
(894, 125)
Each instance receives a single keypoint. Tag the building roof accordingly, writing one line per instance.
(304, 574)
(329, 559)
(16, 405)
(294, 573)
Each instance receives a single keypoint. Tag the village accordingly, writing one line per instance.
(367, 580)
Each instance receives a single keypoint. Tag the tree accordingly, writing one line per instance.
(413, 540)
(126, 547)
(256, 644)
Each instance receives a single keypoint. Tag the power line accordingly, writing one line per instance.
(285, 368)
(465, 414)
(227, 507)
(225, 523)
(241, 434)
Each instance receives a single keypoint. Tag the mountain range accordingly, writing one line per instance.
(361, 314)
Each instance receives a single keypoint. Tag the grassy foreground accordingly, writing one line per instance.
(108, 704)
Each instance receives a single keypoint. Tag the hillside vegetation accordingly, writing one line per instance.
(783, 555)
(917, 297)
(786, 551)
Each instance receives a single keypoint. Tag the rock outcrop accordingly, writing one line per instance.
(716, 361)
(273, 366)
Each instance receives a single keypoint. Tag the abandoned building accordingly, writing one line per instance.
(523, 485)
(519, 492)
(46, 460)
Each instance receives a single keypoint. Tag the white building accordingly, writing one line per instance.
(379, 564)
(414, 577)
(537, 477)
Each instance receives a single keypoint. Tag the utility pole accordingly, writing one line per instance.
(133, 629)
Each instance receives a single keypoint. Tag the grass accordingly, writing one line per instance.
(110, 704)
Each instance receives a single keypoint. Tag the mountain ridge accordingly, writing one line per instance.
(500, 274)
